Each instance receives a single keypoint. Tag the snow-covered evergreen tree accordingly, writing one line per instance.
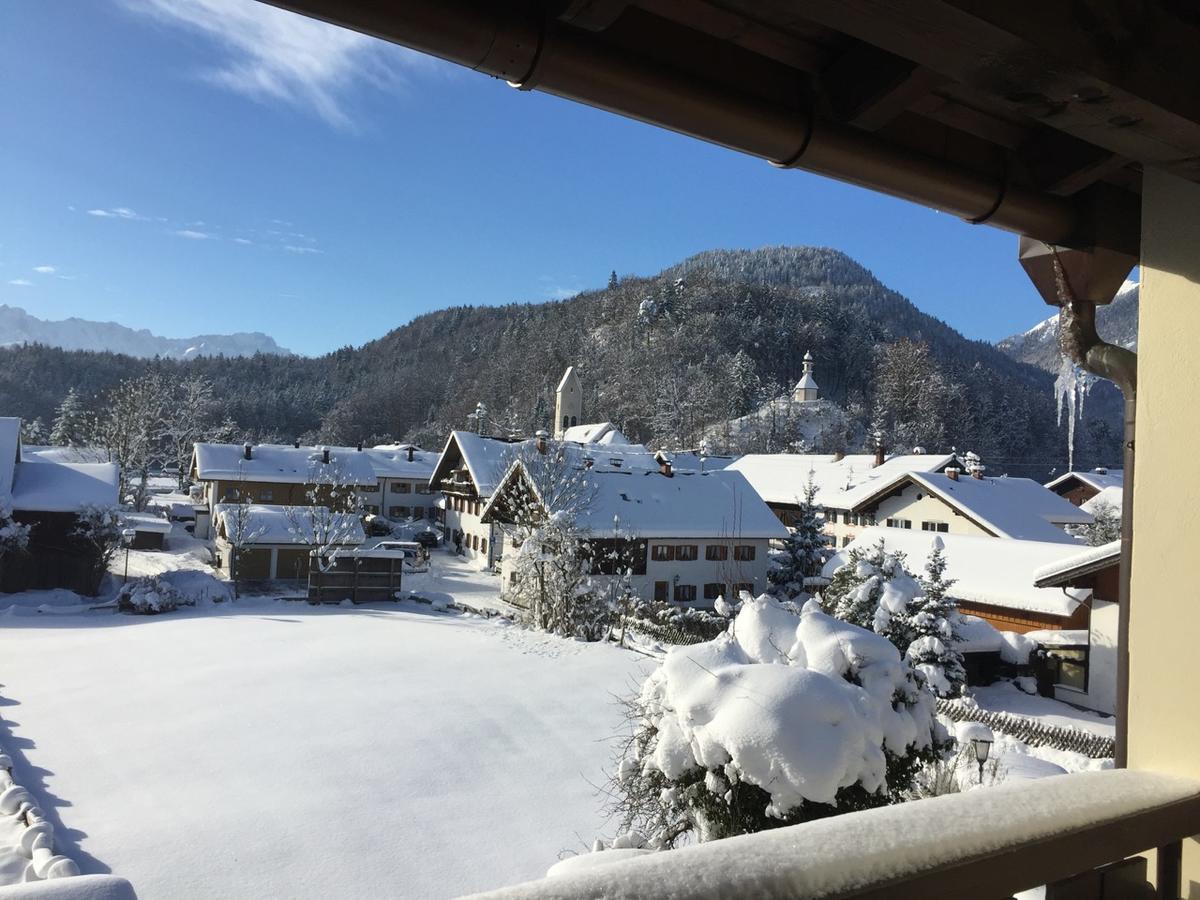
(1105, 529)
(14, 537)
(929, 622)
(72, 422)
(867, 580)
(33, 432)
(803, 553)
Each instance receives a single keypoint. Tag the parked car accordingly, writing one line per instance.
(428, 538)
(377, 526)
(416, 557)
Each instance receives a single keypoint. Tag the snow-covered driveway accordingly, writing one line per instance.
(282, 751)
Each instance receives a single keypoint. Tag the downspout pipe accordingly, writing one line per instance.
(1081, 343)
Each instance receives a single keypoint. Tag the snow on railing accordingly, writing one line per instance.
(1031, 731)
(989, 842)
(35, 835)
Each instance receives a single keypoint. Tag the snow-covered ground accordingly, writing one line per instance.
(274, 749)
(1004, 696)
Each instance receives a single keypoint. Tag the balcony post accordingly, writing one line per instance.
(1163, 726)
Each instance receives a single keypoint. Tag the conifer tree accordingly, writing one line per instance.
(869, 589)
(929, 621)
(803, 553)
(71, 422)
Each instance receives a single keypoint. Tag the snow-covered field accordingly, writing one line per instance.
(277, 750)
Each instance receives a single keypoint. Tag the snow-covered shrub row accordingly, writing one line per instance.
(784, 718)
(32, 837)
(677, 625)
(171, 590)
(1031, 731)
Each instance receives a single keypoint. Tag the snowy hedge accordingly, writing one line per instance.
(784, 718)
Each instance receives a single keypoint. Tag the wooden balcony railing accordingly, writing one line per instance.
(1065, 832)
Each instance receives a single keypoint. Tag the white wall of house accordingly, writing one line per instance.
(479, 539)
(696, 574)
(916, 504)
(400, 498)
(844, 526)
(1101, 693)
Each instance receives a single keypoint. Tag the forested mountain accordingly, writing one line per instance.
(664, 357)
(1117, 323)
(19, 327)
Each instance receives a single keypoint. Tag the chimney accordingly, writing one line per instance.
(879, 448)
(410, 452)
(977, 471)
(664, 464)
(839, 456)
(325, 455)
(246, 452)
(296, 443)
(952, 472)
(539, 442)
(360, 446)
(1100, 470)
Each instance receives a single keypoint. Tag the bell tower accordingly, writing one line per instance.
(568, 403)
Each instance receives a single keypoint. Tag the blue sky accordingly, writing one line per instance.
(193, 166)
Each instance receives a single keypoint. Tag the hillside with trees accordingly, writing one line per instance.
(665, 358)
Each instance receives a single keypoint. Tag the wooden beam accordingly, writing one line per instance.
(1021, 55)
(868, 87)
(1063, 165)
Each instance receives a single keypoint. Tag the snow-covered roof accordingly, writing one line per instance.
(64, 487)
(985, 570)
(145, 522)
(267, 524)
(595, 433)
(1017, 508)
(1112, 496)
(568, 376)
(486, 459)
(282, 464)
(688, 505)
(806, 382)
(976, 635)
(10, 451)
(780, 478)
(47, 453)
(1098, 480)
(391, 461)
(1085, 562)
(1061, 637)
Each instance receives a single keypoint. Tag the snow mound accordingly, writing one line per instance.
(801, 706)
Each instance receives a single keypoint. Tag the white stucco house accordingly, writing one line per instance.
(689, 537)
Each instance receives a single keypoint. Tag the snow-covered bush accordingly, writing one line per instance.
(1105, 527)
(148, 596)
(803, 553)
(14, 537)
(98, 532)
(782, 719)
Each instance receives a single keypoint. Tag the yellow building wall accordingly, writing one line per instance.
(1164, 623)
(930, 508)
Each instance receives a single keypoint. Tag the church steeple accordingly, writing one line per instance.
(568, 403)
(806, 389)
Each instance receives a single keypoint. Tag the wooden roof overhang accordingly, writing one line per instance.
(1033, 117)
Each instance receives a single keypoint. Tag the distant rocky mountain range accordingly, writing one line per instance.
(1117, 323)
(19, 327)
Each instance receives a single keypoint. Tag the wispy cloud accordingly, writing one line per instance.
(242, 240)
(294, 248)
(193, 235)
(272, 55)
(45, 270)
(21, 282)
(116, 212)
(559, 289)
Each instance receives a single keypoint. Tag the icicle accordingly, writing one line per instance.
(1070, 388)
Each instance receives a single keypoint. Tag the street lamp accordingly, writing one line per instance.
(982, 747)
(127, 536)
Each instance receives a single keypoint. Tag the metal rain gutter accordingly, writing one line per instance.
(531, 50)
